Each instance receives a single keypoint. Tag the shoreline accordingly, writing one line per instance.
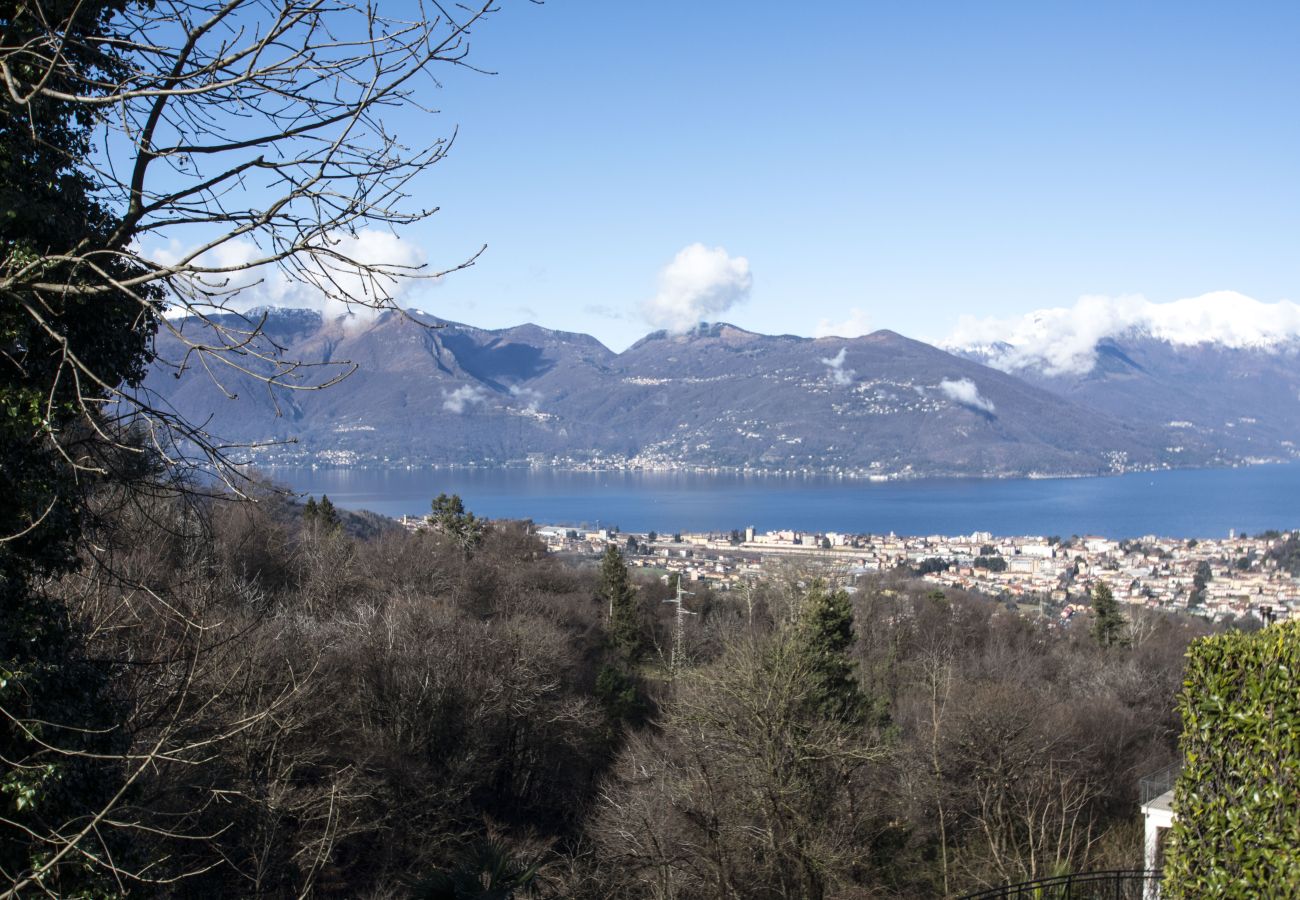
(746, 472)
(1187, 503)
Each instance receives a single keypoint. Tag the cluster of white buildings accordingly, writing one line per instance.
(1237, 575)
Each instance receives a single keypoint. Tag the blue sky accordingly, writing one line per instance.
(913, 162)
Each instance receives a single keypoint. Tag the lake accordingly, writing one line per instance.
(1184, 503)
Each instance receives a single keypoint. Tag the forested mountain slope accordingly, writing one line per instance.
(432, 391)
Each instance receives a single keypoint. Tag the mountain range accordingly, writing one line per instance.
(1244, 401)
(432, 391)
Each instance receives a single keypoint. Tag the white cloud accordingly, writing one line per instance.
(839, 374)
(699, 284)
(329, 283)
(530, 396)
(462, 397)
(856, 325)
(1062, 340)
(964, 391)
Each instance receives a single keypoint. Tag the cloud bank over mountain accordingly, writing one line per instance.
(719, 397)
(458, 400)
(319, 284)
(857, 324)
(1062, 340)
(965, 392)
(839, 375)
(699, 284)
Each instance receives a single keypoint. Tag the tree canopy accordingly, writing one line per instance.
(159, 156)
(623, 620)
(63, 317)
(450, 517)
(1108, 623)
(824, 636)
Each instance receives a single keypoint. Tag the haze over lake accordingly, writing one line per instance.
(1181, 503)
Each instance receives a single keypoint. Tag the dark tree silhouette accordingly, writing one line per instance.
(1108, 623)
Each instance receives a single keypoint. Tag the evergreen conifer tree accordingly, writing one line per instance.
(451, 518)
(1107, 622)
(623, 622)
(322, 517)
(326, 514)
(824, 634)
(617, 685)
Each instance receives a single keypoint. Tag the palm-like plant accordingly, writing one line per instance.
(487, 870)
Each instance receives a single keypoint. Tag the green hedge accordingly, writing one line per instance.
(1237, 801)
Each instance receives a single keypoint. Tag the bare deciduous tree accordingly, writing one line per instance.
(171, 154)
(742, 793)
(235, 141)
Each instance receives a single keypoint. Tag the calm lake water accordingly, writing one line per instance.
(1190, 503)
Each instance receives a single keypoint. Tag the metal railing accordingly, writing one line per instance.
(1120, 884)
(1152, 786)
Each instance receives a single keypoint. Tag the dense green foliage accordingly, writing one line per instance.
(322, 515)
(1108, 622)
(487, 871)
(1287, 553)
(59, 321)
(68, 336)
(1199, 581)
(824, 637)
(619, 687)
(449, 516)
(931, 565)
(1237, 828)
(623, 619)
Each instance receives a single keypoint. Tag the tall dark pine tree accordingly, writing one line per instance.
(449, 516)
(623, 618)
(1107, 622)
(322, 516)
(824, 633)
(1199, 581)
(617, 685)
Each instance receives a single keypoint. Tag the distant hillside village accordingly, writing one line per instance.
(1240, 576)
(722, 399)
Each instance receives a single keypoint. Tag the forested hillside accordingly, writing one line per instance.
(303, 712)
(429, 390)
